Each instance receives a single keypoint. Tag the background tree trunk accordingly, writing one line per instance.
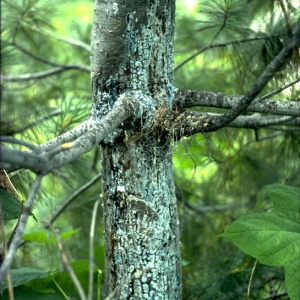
(132, 50)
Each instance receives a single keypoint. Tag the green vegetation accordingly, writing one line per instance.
(241, 181)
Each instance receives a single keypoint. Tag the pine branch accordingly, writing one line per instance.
(259, 84)
(43, 74)
(68, 40)
(36, 57)
(218, 45)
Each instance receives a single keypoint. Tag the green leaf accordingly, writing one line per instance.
(273, 238)
(270, 238)
(285, 199)
(66, 234)
(39, 237)
(22, 275)
(63, 279)
(44, 237)
(11, 206)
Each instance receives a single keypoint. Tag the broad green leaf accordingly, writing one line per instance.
(23, 275)
(65, 234)
(11, 206)
(81, 269)
(39, 237)
(63, 279)
(285, 199)
(270, 238)
(273, 238)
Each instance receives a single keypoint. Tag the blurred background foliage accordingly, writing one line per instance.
(220, 46)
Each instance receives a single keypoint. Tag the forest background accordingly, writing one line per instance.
(219, 176)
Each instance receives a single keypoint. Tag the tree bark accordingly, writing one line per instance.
(132, 50)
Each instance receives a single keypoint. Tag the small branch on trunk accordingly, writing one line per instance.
(187, 123)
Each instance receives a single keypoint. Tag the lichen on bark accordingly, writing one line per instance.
(132, 50)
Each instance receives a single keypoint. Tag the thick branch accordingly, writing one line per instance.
(257, 121)
(128, 105)
(187, 99)
(191, 122)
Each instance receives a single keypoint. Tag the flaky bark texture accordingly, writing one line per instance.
(132, 50)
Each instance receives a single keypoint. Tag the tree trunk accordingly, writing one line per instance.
(132, 51)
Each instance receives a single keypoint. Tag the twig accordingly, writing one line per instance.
(91, 250)
(19, 233)
(36, 57)
(58, 149)
(43, 74)
(60, 289)
(217, 45)
(126, 106)
(71, 41)
(72, 197)
(66, 263)
(250, 280)
(278, 90)
(203, 209)
(68, 136)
